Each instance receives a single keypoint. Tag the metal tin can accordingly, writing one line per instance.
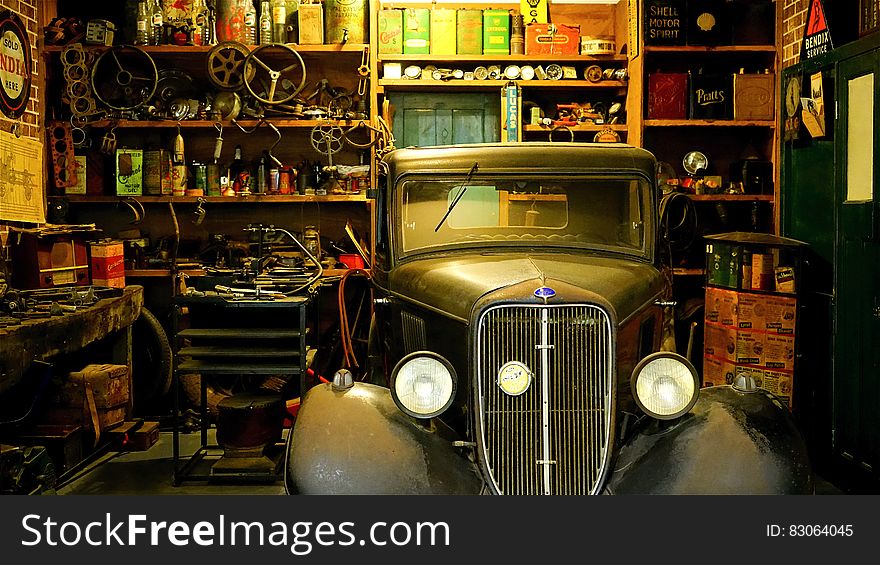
(345, 15)
(213, 180)
(284, 181)
(152, 182)
(179, 176)
(274, 180)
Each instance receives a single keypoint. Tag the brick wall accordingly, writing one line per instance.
(794, 18)
(31, 121)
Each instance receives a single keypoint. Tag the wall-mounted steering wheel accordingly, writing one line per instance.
(124, 77)
(292, 68)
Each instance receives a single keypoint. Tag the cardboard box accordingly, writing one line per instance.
(129, 172)
(311, 24)
(555, 39)
(417, 31)
(710, 96)
(108, 263)
(469, 35)
(753, 97)
(762, 271)
(667, 96)
(665, 22)
(390, 31)
(157, 172)
(443, 33)
(496, 32)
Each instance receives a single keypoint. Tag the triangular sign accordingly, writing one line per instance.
(817, 36)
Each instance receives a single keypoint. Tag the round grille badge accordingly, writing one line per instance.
(514, 378)
(545, 292)
(15, 65)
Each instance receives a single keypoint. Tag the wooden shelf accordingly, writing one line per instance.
(139, 273)
(686, 49)
(253, 199)
(713, 123)
(687, 272)
(388, 58)
(431, 84)
(577, 128)
(199, 124)
(732, 197)
(184, 49)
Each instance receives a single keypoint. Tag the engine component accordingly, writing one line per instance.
(124, 77)
(226, 65)
(63, 161)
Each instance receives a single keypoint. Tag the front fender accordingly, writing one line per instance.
(358, 442)
(730, 443)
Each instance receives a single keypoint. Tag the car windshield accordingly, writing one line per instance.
(595, 212)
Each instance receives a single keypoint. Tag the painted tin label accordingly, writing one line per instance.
(341, 15)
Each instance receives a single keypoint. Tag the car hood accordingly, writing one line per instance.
(453, 284)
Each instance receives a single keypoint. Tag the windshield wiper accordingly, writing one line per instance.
(464, 188)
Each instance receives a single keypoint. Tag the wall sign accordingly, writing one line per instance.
(15, 65)
(817, 36)
(534, 11)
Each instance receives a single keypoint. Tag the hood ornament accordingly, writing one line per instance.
(545, 292)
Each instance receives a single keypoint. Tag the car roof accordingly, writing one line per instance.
(526, 156)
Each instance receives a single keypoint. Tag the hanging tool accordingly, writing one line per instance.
(364, 72)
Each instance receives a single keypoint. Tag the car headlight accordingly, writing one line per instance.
(665, 385)
(423, 384)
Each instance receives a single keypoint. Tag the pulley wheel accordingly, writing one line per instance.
(263, 62)
(124, 77)
(226, 65)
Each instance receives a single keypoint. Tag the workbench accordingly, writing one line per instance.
(46, 339)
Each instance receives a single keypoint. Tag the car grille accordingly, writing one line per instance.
(552, 439)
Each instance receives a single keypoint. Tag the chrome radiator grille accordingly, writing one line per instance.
(552, 439)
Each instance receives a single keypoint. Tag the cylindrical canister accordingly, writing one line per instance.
(200, 172)
(517, 35)
(284, 181)
(212, 173)
(274, 180)
(178, 180)
(342, 15)
(230, 19)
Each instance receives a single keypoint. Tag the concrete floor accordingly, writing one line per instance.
(150, 472)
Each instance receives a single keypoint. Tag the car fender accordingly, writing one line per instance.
(357, 441)
(731, 442)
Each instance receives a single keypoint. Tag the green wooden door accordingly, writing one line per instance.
(857, 273)
(445, 118)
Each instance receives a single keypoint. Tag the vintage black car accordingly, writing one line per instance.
(519, 315)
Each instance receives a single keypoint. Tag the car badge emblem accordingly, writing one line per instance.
(545, 292)
(514, 378)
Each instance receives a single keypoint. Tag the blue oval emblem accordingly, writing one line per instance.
(545, 292)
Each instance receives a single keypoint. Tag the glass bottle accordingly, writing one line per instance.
(279, 21)
(142, 37)
(265, 23)
(249, 28)
(157, 19)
